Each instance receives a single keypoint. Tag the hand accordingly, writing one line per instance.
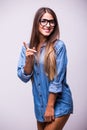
(49, 114)
(29, 59)
(29, 52)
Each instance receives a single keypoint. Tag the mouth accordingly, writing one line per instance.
(47, 30)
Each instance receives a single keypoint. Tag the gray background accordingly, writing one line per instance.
(16, 101)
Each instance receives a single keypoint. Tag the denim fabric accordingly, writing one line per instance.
(42, 86)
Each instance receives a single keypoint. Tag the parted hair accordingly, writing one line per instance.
(49, 59)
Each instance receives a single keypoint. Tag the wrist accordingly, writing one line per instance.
(50, 105)
(27, 70)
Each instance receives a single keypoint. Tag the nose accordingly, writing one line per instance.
(48, 24)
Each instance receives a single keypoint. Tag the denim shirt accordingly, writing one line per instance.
(42, 86)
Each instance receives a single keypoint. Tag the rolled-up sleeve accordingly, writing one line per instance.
(20, 67)
(56, 84)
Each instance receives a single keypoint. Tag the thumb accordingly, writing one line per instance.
(34, 48)
(53, 118)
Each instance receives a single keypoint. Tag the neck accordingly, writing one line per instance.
(42, 39)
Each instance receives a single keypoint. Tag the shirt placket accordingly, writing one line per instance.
(39, 86)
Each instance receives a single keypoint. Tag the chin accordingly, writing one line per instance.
(46, 34)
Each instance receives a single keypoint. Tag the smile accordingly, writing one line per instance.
(47, 30)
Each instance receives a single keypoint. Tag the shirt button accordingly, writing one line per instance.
(35, 63)
(37, 73)
(42, 106)
(39, 84)
(40, 95)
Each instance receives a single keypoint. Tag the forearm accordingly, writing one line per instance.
(52, 99)
(49, 113)
(28, 66)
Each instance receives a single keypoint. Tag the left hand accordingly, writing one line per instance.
(49, 114)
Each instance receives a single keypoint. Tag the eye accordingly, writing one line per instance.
(43, 21)
(52, 21)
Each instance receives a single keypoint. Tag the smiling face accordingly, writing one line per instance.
(46, 24)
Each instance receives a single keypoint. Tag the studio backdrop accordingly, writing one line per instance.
(16, 19)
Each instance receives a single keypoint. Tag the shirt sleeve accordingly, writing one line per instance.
(61, 64)
(20, 67)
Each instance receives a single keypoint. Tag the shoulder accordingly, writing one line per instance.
(59, 45)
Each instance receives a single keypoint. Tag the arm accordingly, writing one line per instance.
(49, 113)
(22, 67)
(28, 67)
(61, 68)
(56, 84)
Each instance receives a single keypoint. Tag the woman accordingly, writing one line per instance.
(44, 61)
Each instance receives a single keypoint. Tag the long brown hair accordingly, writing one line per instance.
(49, 59)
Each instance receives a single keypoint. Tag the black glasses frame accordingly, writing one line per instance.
(44, 22)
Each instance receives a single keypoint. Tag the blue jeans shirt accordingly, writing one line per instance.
(42, 86)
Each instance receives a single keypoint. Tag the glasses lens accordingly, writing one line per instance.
(52, 23)
(43, 22)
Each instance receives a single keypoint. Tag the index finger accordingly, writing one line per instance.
(26, 46)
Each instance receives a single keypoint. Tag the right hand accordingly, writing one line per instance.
(29, 58)
(29, 52)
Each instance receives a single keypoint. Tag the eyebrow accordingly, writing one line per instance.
(46, 19)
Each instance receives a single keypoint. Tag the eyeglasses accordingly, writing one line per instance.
(44, 22)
